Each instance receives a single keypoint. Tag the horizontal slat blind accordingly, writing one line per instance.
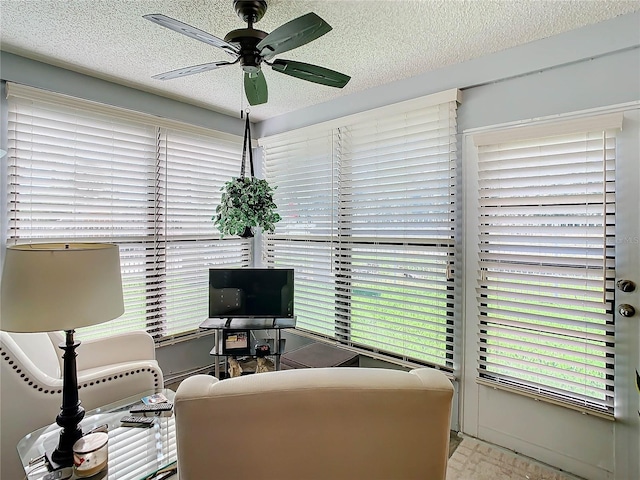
(397, 299)
(397, 195)
(545, 290)
(302, 169)
(379, 271)
(132, 450)
(80, 174)
(314, 302)
(398, 175)
(191, 170)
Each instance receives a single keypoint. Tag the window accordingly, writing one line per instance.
(368, 222)
(547, 259)
(81, 171)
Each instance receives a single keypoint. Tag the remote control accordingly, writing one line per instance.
(136, 421)
(152, 408)
(60, 474)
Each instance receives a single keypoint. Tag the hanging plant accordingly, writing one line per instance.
(246, 202)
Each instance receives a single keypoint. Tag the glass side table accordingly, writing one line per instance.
(134, 453)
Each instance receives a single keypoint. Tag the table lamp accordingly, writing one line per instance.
(61, 286)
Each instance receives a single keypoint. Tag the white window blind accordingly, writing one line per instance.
(191, 171)
(546, 285)
(368, 206)
(79, 171)
(303, 170)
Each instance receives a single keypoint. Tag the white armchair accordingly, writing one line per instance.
(30, 374)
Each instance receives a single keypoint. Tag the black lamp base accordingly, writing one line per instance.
(52, 466)
(62, 456)
(71, 411)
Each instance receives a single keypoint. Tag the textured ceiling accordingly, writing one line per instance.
(375, 42)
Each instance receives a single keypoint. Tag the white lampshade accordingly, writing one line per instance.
(60, 286)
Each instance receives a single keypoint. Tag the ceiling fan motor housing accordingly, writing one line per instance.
(247, 39)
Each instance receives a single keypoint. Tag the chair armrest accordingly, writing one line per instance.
(195, 387)
(110, 383)
(435, 379)
(121, 348)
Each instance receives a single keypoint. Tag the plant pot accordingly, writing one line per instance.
(248, 233)
(246, 201)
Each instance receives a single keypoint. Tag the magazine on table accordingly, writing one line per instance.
(155, 398)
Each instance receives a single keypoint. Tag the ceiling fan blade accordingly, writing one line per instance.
(311, 73)
(292, 35)
(183, 72)
(189, 31)
(255, 88)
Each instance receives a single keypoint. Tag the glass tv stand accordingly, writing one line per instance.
(234, 337)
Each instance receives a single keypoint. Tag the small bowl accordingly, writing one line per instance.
(90, 454)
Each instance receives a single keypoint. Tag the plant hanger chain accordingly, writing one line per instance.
(247, 139)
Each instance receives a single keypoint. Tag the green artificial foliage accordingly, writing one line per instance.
(246, 202)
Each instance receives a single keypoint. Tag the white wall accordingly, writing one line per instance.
(578, 46)
(15, 68)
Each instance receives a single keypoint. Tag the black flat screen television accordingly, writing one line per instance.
(250, 292)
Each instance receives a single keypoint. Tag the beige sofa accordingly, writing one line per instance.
(322, 423)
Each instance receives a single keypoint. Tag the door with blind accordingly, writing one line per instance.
(553, 360)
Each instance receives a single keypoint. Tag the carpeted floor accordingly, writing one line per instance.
(474, 460)
(454, 441)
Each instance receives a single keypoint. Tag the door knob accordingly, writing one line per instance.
(626, 310)
(626, 285)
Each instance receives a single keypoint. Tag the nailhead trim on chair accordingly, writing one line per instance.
(7, 358)
(125, 374)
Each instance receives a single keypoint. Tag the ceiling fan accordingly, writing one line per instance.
(251, 48)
